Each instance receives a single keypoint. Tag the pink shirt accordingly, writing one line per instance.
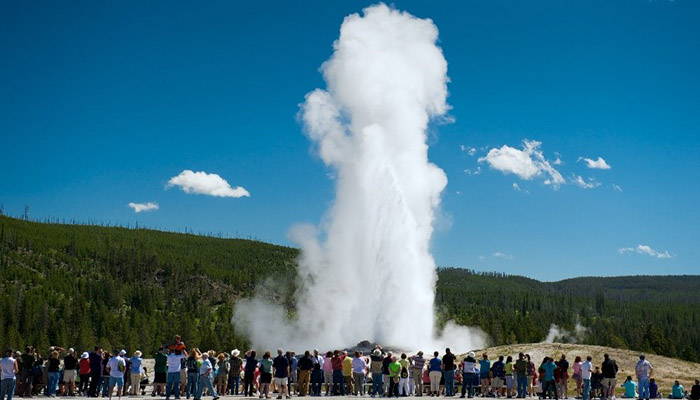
(327, 366)
(577, 368)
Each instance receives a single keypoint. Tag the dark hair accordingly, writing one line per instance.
(252, 353)
(577, 359)
(435, 353)
(509, 359)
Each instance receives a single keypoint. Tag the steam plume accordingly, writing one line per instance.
(371, 276)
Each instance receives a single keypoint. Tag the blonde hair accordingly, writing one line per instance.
(54, 354)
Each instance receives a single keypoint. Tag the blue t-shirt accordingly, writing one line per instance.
(498, 369)
(136, 365)
(549, 371)
(435, 364)
(484, 368)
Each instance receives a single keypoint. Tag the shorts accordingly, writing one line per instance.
(221, 379)
(161, 377)
(510, 382)
(497, 383)
(69, 375)
(280, 381)
(116, 381)
(265, 377)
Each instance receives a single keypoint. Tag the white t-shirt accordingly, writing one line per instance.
(7, 365)
(643, 369)
(175, 362)
(206, 366)
(114, 364)
(586, 369)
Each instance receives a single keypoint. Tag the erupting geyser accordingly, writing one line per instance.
(371, 276)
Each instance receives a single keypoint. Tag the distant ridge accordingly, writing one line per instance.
(83, 284)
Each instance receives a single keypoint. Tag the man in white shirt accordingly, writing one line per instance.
(205, 378)
(175, 358)
(586, 371)
(643, 369)
(116, 366)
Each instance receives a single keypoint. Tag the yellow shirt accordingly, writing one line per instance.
(347, 366)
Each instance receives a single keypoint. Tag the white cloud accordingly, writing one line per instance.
(204, 183)
(475, 171)
(558, 160)
(584, 184)
(469, 150)
(647, 250)
(138, 207)
(527, 163)
(504, 256)
(616, 188)
(600, 163)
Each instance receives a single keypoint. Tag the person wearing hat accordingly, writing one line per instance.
(418, 363)
(375, 368)
(469, 378)
(84, 373)
(234, 375)
(136, 370)
(116, 366)
(70, 371)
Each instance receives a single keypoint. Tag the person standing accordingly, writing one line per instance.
(265, 375)
(576, 367)
(192, 365)
(417, 372)
(234, 373)
(327, 368)
(435, 373)
(174, 362)
(116, 366)
(8, 375)
(375, 369)
(249, 373)
(84, 372)
(469, 378)
(449, 367)
(385, 372)
(53, 368)
(70, 371)
(160, 372)
(205, 372)
(609, 369)
(498, 372)
(549, 385)
(586, 373)
(359, 368)
(394, 376)
(136, 370)
(404, 375)
(643, 370)
(26, 365)
(521, 375)
(95, 358)
(222, 372)
(563, 377)
(306, 365)
(484, 374)
(280, 366)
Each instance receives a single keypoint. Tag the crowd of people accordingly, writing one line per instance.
(179, 371)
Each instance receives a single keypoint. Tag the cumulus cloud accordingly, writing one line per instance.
(600, 163)
(583, 183)
(139, 207)
(204, 183)
(645, 249)
(527, 163)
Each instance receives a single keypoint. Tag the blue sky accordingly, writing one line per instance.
(104, 102)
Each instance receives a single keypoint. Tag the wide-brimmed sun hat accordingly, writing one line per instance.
(85, 355)
(235, 352)
(471, 354)
(376, 352)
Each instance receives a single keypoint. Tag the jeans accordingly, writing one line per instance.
(52, 386)
(549, 386)
(338, 383)
(205, 382)
(172, 387)
(377, 384)
(643, 388)
(95, 379)
(192, 380)
(522, 386)
(586, 389)
(7, 388)
(104, 385)
(234, 383)
(248, 383)
(449, 383)
(469, 381)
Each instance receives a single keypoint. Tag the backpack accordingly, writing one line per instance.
(404, 372)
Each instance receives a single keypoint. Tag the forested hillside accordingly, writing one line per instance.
(79, 285)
